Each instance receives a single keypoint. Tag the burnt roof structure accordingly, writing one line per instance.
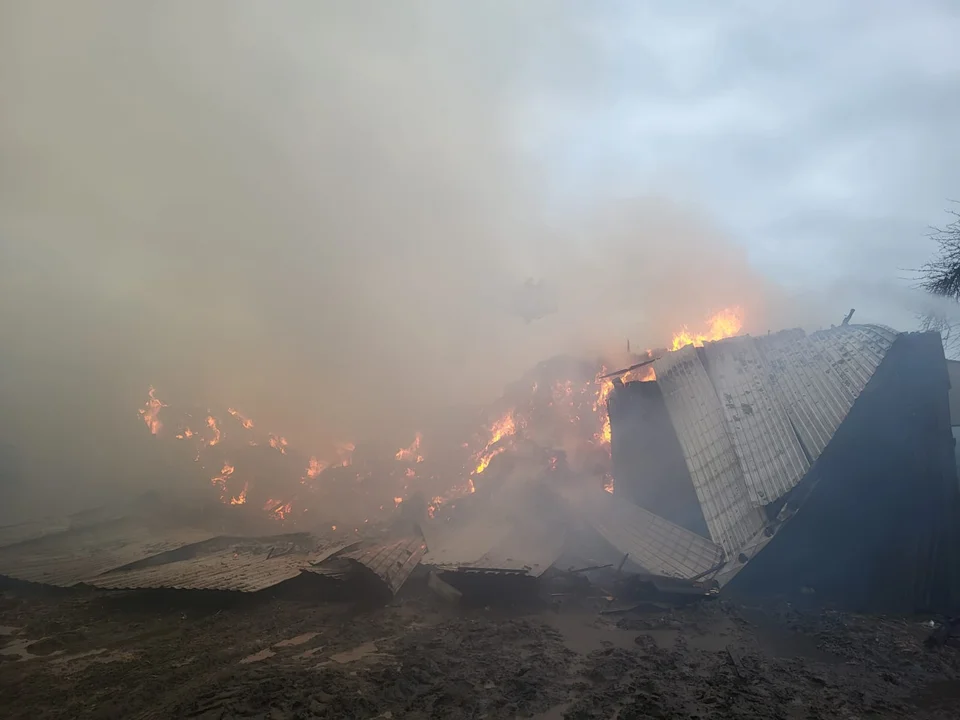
(820, 462)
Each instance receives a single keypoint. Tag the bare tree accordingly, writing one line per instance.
(941, 277)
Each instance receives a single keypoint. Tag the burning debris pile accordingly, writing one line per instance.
(558, 407)
(742, 462)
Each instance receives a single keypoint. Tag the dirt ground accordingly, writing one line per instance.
(285, 654)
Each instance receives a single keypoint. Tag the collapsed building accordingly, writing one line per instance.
(816, 465)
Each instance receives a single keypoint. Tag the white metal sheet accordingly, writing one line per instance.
(770, 453)
(649, 540)
(819, 377)
(698, 418)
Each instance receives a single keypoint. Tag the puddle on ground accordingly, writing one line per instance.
(298, 640)
(20, 649)
(258, 656)
(367, 650)
(307, 654)
(585, 633)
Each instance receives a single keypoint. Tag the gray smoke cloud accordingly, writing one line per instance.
(315, 212)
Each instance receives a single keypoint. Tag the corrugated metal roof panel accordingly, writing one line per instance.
(529, 547)
(701, 427)
(392, 562)
(657, 544)
(450, 546)
(819, 377)
(244, 566)
(72, 557)
(770, 454)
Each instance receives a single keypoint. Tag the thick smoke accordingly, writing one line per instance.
(315, 212)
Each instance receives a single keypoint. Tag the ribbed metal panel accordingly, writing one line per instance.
(392, 562)
(527, 546)
(770, 453)
(246, 566)
(657, 544)
(819, 377)
(69, 558)
(708, 448)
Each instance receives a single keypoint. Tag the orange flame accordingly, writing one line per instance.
(221, 480)
(151, 410)
(505, 426)
(397, 501)
(278, 442)
(315, 467)
(723, 324)
(486, 458)
(600, 407)
(412, 453)
(241, 498)
(245, 421)
(212, 424)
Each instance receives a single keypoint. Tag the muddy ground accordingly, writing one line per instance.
(289, 654)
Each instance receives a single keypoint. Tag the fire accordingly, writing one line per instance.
(724, 324)
(279, 510)
(245, 421)
(412, 453)
(278, 442)
(600, 407)
(241, 498)
(561, 405)
(315, 467)
(505, 426)
(151, 410)
(212, 424)
(502, 428)
(221, 480)
(486, 458)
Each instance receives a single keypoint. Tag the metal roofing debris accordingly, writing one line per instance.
(525, 546)
(529, 548)
(752, 414)
(657, 544)
(239, 565)
(819, 377)
(708, 448)
(68, 558)
(391, 562)
(450, 545)
(771, 457)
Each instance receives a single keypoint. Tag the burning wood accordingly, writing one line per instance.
(560, 407)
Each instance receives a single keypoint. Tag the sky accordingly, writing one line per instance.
(319, 212)
(811, 132)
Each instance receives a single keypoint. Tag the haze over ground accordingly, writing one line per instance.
(318, 213)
